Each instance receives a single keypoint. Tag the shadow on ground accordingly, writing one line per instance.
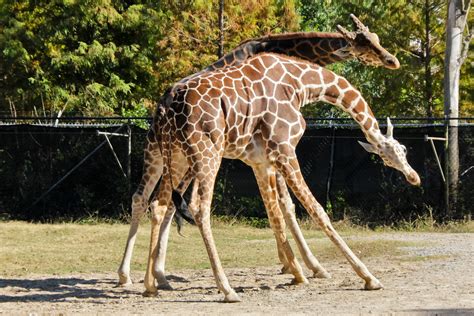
(52, 289)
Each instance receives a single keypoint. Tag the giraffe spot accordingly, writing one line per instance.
(311, 77)
(251, 73)
(236, 74)
(227, 82)
(267, 60)
(287, 112)
(325, 45)
(360, 107)
(360, 117)
(272, 106)
(294, 70)
(201, 146)
(281, 130)
(328, 76)
(305, 50)
(350, 96)
(342, 83)
(206, 169)
(320, 52)
(332, 91)
(368, 124)
(257, 87)
(296, 129)
(270, 88)
(276, 72)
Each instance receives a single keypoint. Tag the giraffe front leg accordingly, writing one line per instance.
(288, 208)
(289, 167)
(266, 180)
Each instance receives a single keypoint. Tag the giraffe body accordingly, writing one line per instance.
(322, 48)
(251, 112)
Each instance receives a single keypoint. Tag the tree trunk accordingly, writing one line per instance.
(428, 75)
(456, 22)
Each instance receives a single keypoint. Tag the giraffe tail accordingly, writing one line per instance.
(182, 211)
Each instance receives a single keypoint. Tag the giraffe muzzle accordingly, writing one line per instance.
(391, 62)
(413, 178)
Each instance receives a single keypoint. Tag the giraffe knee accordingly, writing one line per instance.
(138, 204)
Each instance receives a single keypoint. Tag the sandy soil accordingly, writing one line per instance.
(440, 284)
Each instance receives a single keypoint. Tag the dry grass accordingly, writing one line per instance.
(60, 249)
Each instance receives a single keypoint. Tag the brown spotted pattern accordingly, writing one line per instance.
(321, 48)
(251, 112)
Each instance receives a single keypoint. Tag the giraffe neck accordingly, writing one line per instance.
(320, 84)
(319, 48)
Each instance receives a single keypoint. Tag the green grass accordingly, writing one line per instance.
(59, 249)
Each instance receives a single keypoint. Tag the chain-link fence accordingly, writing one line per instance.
(68, 171)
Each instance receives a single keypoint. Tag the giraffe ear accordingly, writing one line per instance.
(368, 147)
(348, 35)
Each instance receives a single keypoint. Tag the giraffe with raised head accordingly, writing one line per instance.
(251, 112)
(321, 48)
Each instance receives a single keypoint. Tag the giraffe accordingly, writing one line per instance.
(321, 48)
(251, 112)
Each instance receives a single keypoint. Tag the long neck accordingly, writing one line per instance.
(320, 84)
(319, 48)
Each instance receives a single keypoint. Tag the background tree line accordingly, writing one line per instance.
(116, 57)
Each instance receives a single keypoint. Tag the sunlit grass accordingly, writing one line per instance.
(59, 249)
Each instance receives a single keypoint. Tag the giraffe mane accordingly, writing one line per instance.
(293, 35)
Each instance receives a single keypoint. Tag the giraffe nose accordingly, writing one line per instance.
(392, 62)
(413, 178)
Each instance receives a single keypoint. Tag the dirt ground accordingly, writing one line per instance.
(434, 278)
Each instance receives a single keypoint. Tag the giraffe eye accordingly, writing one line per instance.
(404, 149)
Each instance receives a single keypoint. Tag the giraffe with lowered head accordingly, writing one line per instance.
(251, 112)
(321, 48)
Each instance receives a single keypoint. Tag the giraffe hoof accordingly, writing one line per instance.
(373, 285)
(322, 274)
(165, 287)
(150, 293)
(124, 284)
(124, 280)
(232, 297)
(299, 281)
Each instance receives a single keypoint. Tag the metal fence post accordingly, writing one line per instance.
(129, 158)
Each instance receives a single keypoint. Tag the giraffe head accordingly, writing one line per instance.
(393, 154)
(365, 46)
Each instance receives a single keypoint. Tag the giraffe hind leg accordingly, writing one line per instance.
(159, 268)
(152, 171)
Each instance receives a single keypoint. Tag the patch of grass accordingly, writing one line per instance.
(428, 225)
(67, 248)
(424, 258)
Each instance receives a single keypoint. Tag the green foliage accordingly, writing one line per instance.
(109, 57)
(402, 30)
(112, 57)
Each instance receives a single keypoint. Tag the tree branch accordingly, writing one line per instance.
(465, 45)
